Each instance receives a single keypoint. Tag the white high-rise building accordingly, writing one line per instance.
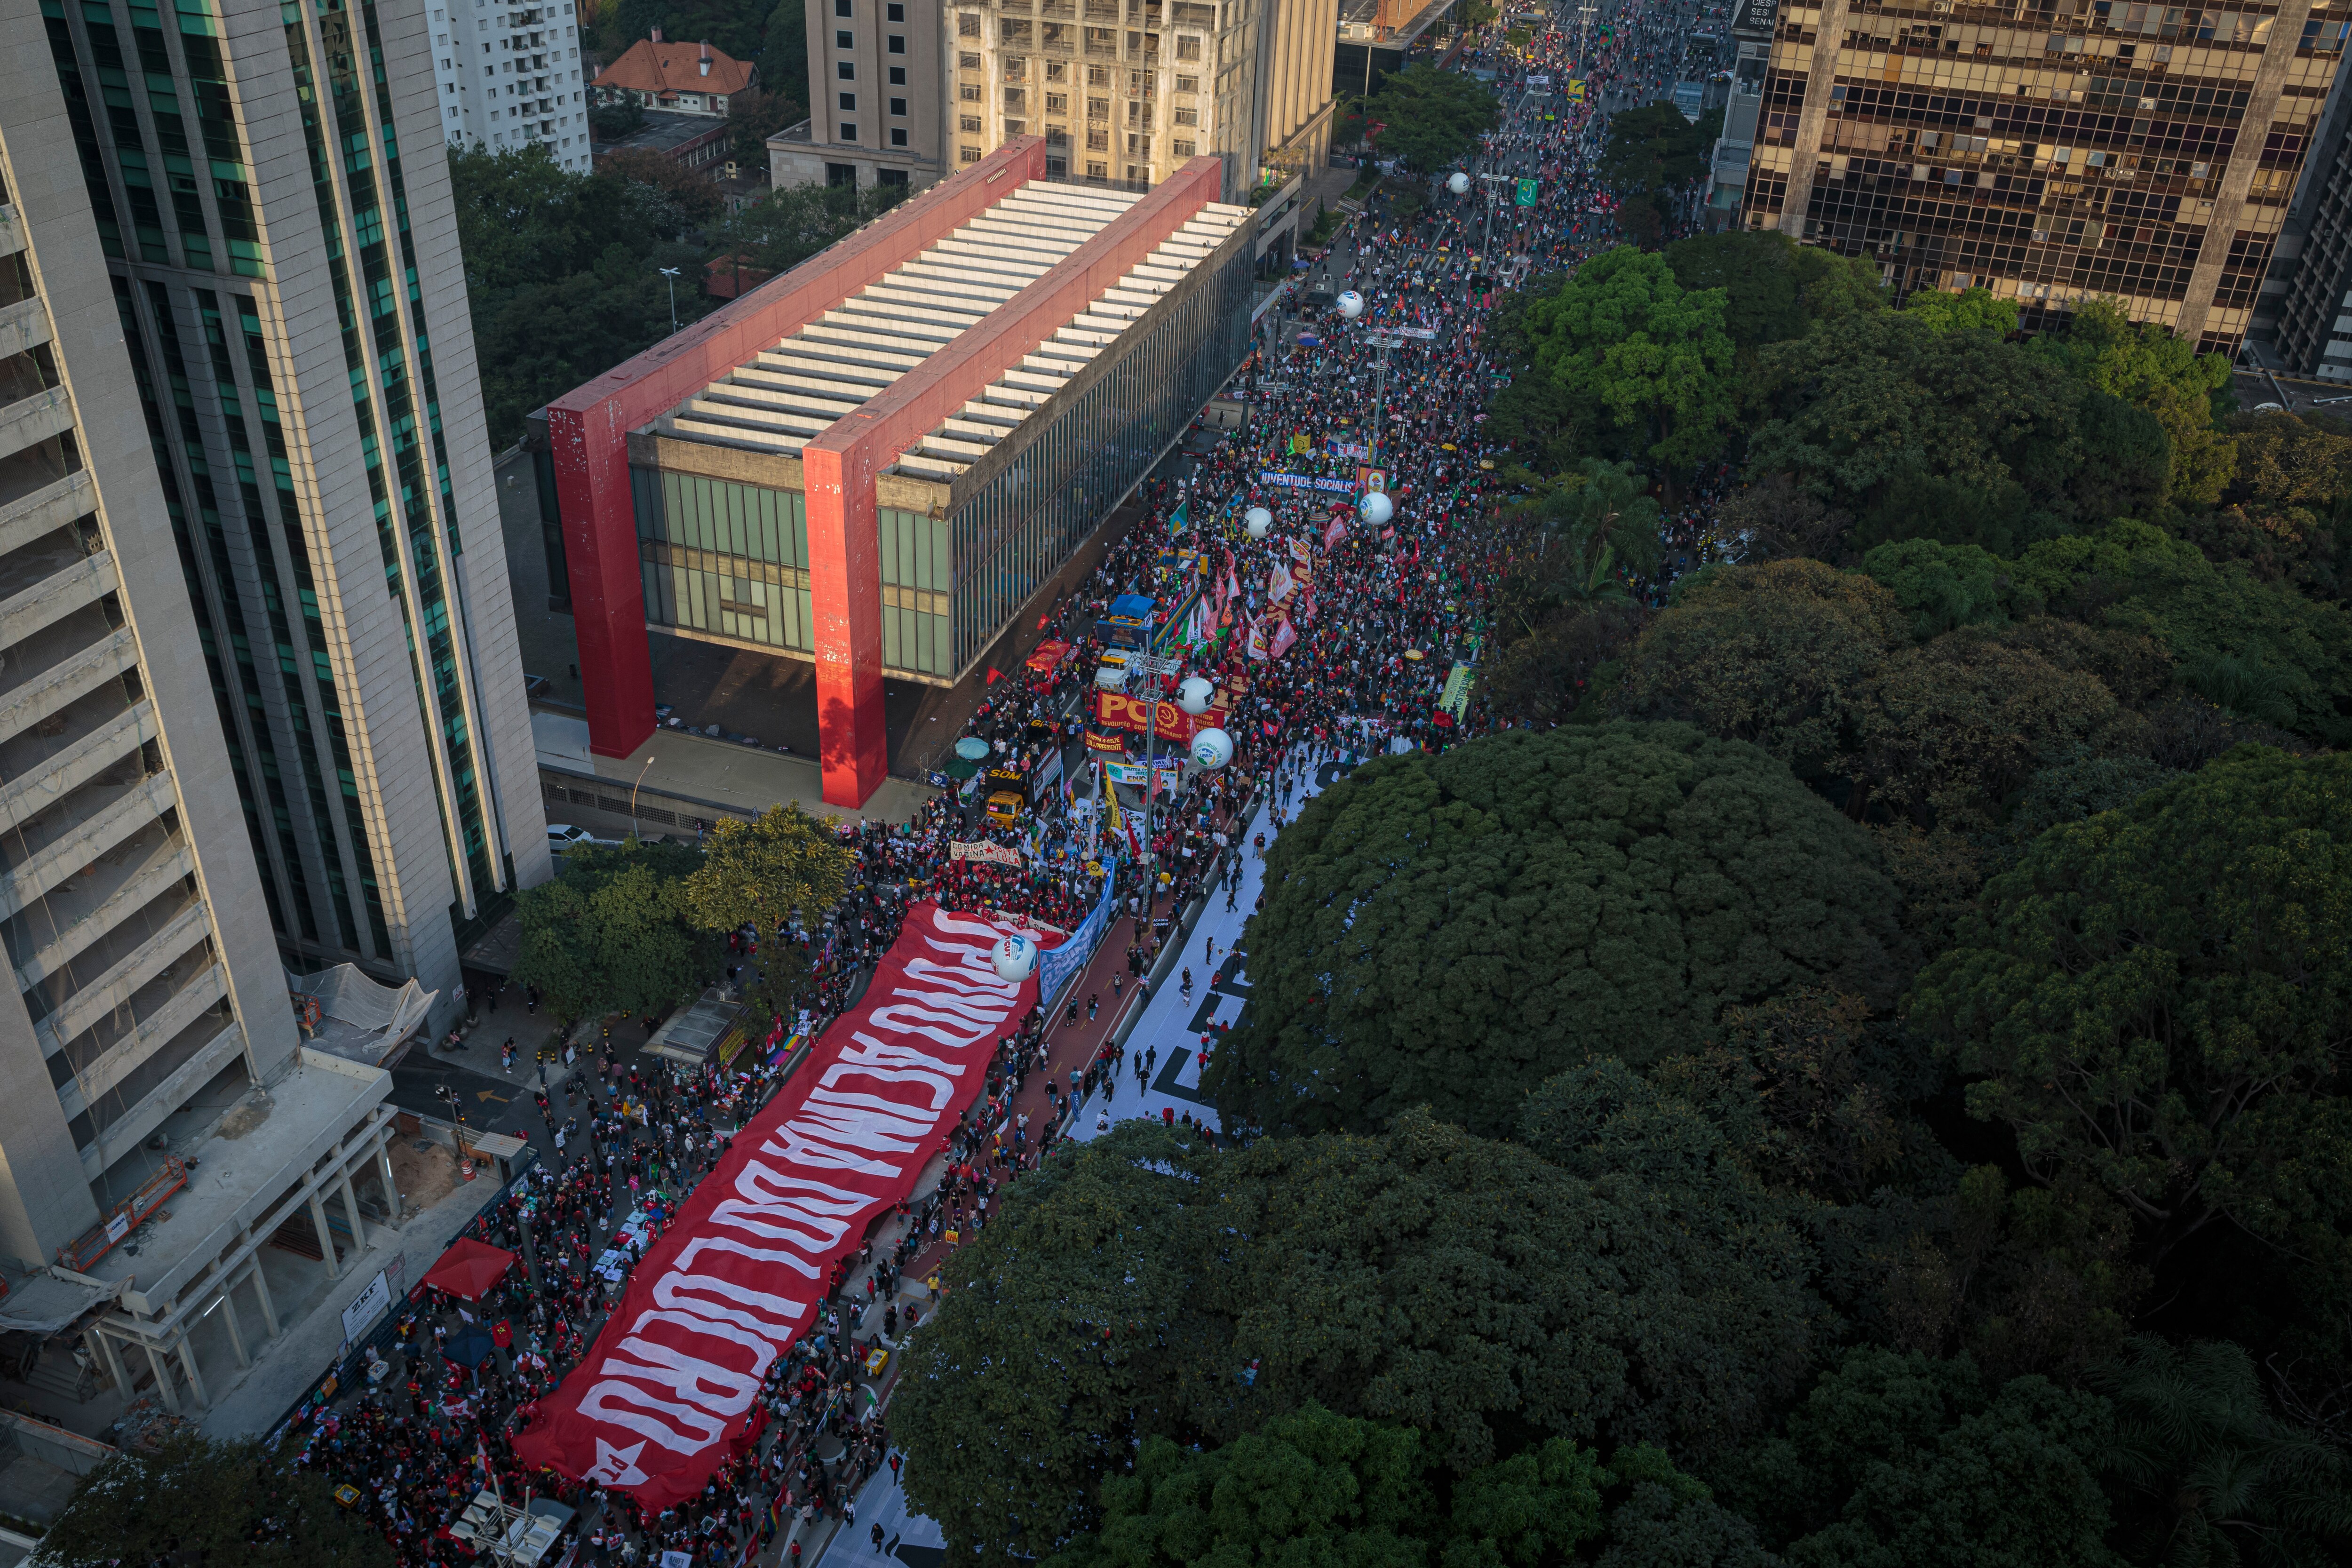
(510, 75)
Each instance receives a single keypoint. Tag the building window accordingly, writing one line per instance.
(1098, 140)
(1014, 99)
(1015, 128)
(1097, 170)
(1188, 116)
(849, 132)
(899, 106)
(1187, 48)
(898, 136)
(969, 125)
(840, 175)
(969, 62)
(845, 70)
(897, 43)
(969, 155)
(968, 26)
(968, 92)
(841, 9)
(1182, 148)
(843, 38)
(1188, 84)
(1098, 108)
(849, 103)
(1098, 75)
(1057, 103)
(897, 76)
(1057, 165)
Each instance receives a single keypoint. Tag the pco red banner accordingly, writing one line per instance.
(1117, 711)
(668, 1390)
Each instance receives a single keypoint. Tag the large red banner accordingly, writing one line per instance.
(667, 1392)
(1117, 711)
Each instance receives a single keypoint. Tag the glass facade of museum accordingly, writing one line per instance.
(724, 559)
(1056, 484)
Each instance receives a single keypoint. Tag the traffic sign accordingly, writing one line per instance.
(1527, 194)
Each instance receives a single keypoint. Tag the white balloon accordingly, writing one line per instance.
(1014, 958)
(1213, 748)
(1351, 304)
(1459, 183)
(1258, 521)
(1194, 695)
(1376, 509)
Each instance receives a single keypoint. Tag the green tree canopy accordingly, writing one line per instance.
(1907, 1459)
(1623, 336)
(762, 873)
(1774, 289)
(1956, 436)
(1941, 585)
(1966, 310)
(2157, 996)
(613, 932)
(1778, 655)
(2145, 365)
(794, 222)
(1143, 1285)
(1429, 117)
(1444, 930)
(199, 1501)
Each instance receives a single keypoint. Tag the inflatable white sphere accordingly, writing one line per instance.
(1258, 521)
(1376, 509)
(1351, 304)
(1213, 748)
(1194, 695)
(1459, 183)
(1014, 958)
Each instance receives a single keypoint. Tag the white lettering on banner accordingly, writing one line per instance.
(670, 1389)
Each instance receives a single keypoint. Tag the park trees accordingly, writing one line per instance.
(1444, 930)
(192, 1500)
(2155, 998)
(613, 932)
(783, 863)
(1429, 117)
(1145, 1287)
(1774, 289)
(1623, 337)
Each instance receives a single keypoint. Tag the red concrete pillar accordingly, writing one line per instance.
(600, 556)
(845, 597)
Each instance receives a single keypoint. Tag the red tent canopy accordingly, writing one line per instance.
(470, 1268)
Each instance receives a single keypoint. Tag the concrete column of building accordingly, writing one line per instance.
(114, 1367)
(188, 1355)
(326, 1238)
(2246, 157)
(1821, 68)
(236, 1329)
(392, 1193)
(162, 1368)
(261, 1294)
(841, 465)
(352, 1210)
(588, 428)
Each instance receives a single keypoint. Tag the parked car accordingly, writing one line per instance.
(562, 838)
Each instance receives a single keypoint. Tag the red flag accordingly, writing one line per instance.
(995, 675)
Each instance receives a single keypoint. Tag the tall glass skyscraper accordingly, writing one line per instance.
(289, 290)
(2052, 150)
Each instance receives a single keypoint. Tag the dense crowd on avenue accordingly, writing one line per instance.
(1326, 635)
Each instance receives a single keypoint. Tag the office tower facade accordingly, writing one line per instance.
(510, 76)
(2303, 322)
(289, 292)
(2052, 150)
(143, 964)
(1294, 86)
(875, 97)
(1125, 91)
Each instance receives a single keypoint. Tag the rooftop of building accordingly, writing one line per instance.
(664, 133)
(657, 66)
(828, 367)
(1397, 22)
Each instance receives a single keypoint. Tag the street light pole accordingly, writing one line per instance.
(1152, 668)
(634, 831)
(671, 274)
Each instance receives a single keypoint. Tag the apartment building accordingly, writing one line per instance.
(2051, 150)
(510, 77)
(1294, 86)
(288, 294)
(1125, 91)
(875, 97)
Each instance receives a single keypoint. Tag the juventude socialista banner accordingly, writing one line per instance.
(669, 1388)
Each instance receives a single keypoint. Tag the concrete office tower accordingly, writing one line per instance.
(273, 223)
(1123, 90)
(2050, 152)
(509, 75)
(1294, 85)
(875, 98)
(2303, 322)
